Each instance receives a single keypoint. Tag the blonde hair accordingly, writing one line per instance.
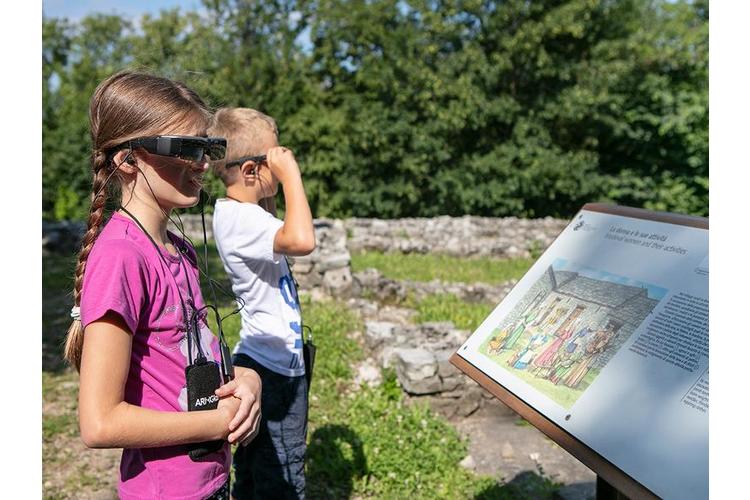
(125, 106)
(243, 129)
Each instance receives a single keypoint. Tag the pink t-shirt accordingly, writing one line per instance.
(125, 274)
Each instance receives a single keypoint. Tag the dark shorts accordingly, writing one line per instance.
(273, 464)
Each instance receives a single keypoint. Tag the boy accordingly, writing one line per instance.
(253, 244)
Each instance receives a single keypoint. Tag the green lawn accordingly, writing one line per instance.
(427, 267)
(445, 307)
(366, 441)
(363, 442)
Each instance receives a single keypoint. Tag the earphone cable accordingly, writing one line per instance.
(185, 237)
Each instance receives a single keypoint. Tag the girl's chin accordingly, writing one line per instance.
(187, 201)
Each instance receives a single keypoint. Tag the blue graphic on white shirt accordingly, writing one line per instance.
(291, 298)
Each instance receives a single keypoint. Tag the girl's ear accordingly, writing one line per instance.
(125, 160)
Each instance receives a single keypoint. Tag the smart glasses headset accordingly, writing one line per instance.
(186, 147)
(239, 161)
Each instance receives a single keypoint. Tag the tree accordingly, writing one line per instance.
(425, 107)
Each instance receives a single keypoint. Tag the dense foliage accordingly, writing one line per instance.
(419, 108)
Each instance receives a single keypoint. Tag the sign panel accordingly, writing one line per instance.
(603, 345)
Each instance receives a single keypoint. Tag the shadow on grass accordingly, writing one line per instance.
(525, 485)
(334, 459)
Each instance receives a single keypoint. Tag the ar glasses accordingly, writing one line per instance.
(185, 147)
(258, 159)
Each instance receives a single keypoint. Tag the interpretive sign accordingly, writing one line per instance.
(603, 345)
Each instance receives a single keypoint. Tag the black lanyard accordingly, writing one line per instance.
(191, 320)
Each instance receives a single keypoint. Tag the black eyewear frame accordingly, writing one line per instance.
(258, 159)
(186, 147)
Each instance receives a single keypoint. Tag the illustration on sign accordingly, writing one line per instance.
(568, 326)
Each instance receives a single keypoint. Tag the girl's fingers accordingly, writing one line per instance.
(226, 389)
(248, 426)
(242, 413)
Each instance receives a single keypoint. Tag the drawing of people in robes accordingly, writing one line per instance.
(546, 360)
(563, 367)
(496, 344)
(547, 312)
(596, 345)
(524, 357)
(568, 356)
(559, 312)
(519, 329)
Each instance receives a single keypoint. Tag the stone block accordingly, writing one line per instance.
(338, 282)
(367, 279)
(445, 368)
(388, 356)
(445, 407)
(378, 332)
(468, 403)
(450, 383)
(429, 385)
(309, 280)
(330, 261)
(416, 364)
(302, 267)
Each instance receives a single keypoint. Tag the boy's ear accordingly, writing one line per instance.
(249, 169)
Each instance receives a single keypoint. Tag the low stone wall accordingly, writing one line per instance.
(457, 236)
(328, 267)
(371, 284)
(418, 353)
(420, 356)
(63, 236)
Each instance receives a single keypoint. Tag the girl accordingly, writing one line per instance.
(136, 288)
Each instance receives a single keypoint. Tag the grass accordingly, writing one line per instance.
(363, 441)
(427, 267)
(366, 441)
(61, 394)
(445, 307)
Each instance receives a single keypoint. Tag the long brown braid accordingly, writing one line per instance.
(125, 106)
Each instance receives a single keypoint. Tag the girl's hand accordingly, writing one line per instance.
(227, 408)
(247, 388)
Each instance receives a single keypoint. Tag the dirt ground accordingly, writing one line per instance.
(506, 447)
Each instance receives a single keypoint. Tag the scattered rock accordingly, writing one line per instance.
(335, 260)
(416, 370)
(378, 332)
(338, 282)
(468, 403)
(368, 373)
(507, 450)
(468, 463)
(416, 364)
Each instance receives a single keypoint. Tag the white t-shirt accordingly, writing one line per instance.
(271, 324)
